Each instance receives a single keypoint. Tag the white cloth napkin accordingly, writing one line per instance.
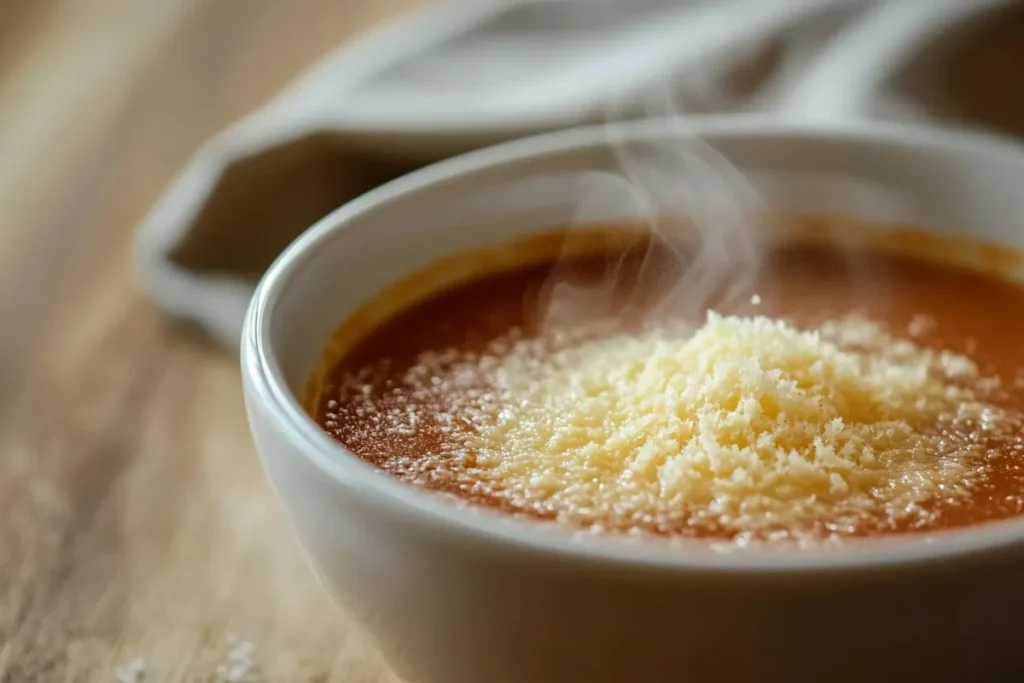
(457, 76)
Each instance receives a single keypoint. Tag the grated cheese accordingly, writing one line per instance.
(748, 424)
(744, 426)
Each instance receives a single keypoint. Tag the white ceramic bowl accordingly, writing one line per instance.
(462, 595)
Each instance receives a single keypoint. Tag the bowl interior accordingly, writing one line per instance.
(887, 175)
(950, 183)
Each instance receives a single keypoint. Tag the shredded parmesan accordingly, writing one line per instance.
(746, 425)
(920, 325)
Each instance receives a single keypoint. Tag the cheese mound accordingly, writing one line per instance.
(746, 425)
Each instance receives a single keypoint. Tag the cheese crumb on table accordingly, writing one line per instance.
(132, 672)
(241, 666)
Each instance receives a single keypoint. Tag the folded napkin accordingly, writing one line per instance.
(457, 76)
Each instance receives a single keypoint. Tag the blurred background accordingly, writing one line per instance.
(137, 536)
(134, 521)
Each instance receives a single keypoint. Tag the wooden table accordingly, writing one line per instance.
(134, 518)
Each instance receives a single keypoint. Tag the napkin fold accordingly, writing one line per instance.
(458, 76)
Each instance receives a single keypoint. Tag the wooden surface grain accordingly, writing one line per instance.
(134, 518)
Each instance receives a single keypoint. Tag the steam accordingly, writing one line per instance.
(694, 207)
(692, 203)
(703, 210)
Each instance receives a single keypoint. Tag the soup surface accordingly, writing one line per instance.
(831, 392)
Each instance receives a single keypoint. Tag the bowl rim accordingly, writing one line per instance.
(460, 522)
